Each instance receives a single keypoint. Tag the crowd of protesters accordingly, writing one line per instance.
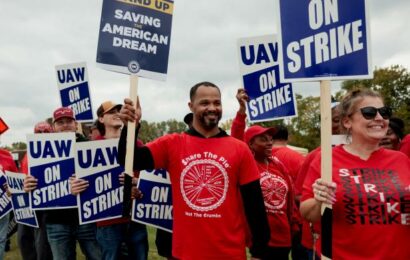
(251, 190)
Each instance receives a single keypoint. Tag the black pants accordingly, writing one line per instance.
(277, 253)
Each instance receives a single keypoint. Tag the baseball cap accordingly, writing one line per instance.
(107, 106)
(43, 127)
(256, 130)
(63, 112)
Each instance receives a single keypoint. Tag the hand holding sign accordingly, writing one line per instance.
(30, 183)
(78, 185)
(129, 113)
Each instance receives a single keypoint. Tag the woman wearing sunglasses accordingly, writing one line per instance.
(370, 192)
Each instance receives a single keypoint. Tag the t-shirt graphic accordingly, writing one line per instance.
(274, 190)
(204, 184)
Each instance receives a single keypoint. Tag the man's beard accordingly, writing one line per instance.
(210, 124)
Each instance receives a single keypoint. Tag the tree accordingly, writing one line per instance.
(305, 128)
(150, 131)
(393, 84)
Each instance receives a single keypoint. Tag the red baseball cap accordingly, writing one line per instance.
(63, 112)
(43, 127)
(256, 130)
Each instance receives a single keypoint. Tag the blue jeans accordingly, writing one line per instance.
(133, 234)
(63, 237)
(4, 224)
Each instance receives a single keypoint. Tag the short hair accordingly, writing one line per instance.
(193, 90)
(281, 134)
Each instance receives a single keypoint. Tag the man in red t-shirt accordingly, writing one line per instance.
(215, 182)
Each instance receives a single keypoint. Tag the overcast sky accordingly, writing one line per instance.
(37, 35)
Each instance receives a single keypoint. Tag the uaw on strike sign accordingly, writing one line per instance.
(51, 162)
(269, 99)
(72, 81)
(97, 163)
(20, 200)
(324, 40)
(155, 207)
(135, 37)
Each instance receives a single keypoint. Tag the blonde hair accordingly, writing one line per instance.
(349, 101)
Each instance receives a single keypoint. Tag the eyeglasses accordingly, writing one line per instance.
(370, 112)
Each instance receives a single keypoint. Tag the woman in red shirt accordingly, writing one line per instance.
(370, 190)
(277, 187)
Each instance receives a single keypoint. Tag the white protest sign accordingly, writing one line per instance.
(269, 99)
(51, 162)
(97, 163)
(324, 40)
(20, 200)
(72, 81)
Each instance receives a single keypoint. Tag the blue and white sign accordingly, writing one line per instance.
(269, 99)
(20, 200)
(5, 205)
(135, 36)
(97, 163)
(51, 162)
(155, 207)
(324, 40)
(72, 81)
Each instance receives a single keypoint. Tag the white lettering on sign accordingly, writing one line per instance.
(51, 192)
(159, 194)
(271, 100)
(322, 10)
(103, 183)
(330, 45)
(24, 213)
(74, 94)
(103, 202)
(81, 106)
(267, 81)
(154, 211)
(52, 174)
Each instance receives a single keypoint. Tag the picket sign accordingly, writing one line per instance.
(326, 162)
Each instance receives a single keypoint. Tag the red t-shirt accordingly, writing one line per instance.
(290, 158)
(405, 145)
(277, 193)
(208, 212)
(6, 161)
(371, 217)
(24, 164)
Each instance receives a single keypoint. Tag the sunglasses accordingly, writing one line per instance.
(370, 112)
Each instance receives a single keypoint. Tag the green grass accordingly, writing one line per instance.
(14, 253)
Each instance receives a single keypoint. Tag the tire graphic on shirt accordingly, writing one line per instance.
(204, 184)
(274, 191)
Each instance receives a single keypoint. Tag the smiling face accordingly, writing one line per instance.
(206, 106)
(261, 145)
(111, 118)
(366, 130)
(65, 124)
